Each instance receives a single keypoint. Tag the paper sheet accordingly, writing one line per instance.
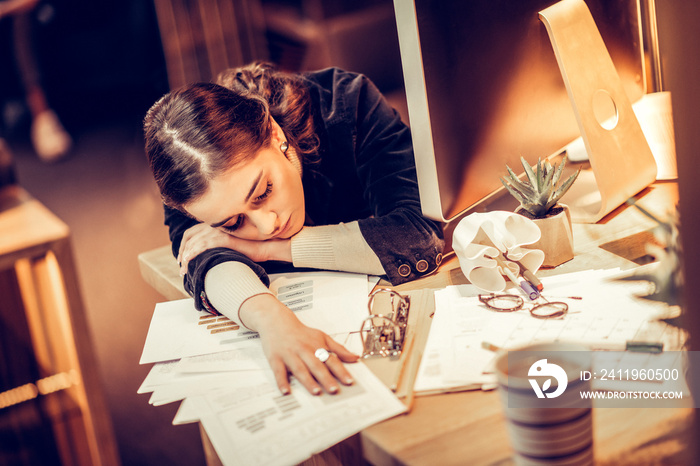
(240, 359)
(198, 383)
(331, 301)
(256, 425)
(608, 315)
(453, 358)
(334, 302)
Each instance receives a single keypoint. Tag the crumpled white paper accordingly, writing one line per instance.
(480, 237)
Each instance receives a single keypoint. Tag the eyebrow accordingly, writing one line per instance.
(247, 198)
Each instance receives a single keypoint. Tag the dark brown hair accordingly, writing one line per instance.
(200, 131)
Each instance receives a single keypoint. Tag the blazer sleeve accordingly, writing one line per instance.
(408, 244)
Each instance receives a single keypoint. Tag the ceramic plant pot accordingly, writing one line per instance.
(557, 241)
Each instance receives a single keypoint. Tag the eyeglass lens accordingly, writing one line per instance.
(502, 303)
(549, 310)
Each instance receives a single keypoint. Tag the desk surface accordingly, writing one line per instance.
(447, 429)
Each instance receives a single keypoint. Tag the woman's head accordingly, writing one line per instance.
(197, 133)
(203, 142)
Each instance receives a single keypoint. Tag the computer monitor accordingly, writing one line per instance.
(483, 89)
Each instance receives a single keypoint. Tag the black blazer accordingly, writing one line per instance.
(365, 171)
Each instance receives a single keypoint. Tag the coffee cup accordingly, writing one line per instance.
(548, 420)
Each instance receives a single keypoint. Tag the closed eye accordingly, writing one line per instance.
(235, 226)
(256, 200)
(263, 196)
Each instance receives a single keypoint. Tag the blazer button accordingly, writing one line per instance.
(404, 270)
(422, 265)
(438, 258)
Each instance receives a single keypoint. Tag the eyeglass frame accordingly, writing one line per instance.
(484, 298)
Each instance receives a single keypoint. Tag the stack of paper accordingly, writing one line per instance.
(220, 374)
(603, 314)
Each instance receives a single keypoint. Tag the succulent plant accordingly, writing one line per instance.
(539, 192)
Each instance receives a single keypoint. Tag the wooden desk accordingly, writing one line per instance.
(35, 249)
(468, 427)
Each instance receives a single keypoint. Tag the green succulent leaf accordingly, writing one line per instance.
(540, 176)
(559, 170)
(538, 192)
(516, 194)
(548, 178)
(565, 186)
(523, 188)
(532, 178)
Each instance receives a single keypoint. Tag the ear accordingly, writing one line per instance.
(277, 135)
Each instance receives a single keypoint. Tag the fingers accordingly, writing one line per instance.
(302, 370)
(339, 355)
(341, 351)
(185, 253)
(338, 370)
(280, 372)
(314, 375)
(198, 239)
(317, 377)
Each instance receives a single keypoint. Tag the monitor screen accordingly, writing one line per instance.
(483, 89)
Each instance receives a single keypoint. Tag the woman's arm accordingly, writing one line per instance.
(335, 247)
(407, 244)
(197, 265)
(229, 286)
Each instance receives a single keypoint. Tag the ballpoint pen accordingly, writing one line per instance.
(530, 277)
(527, 274)
(525, 285)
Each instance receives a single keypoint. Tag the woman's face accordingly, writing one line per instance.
(260, 199)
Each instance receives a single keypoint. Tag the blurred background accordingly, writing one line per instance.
(103, 64)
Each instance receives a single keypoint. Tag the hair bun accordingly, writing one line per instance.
(250, 79)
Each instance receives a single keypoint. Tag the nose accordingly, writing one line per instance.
(264, 220)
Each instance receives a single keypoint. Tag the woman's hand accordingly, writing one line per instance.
(290, 346)
(201, 237)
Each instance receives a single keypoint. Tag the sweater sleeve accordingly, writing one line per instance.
(335, 247)
(229, 284)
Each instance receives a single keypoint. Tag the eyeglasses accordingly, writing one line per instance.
(512, 303)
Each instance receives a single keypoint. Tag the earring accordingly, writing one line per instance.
(284, 146)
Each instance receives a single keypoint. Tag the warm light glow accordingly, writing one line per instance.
(29, 391)
(18, 395)
(56, 382)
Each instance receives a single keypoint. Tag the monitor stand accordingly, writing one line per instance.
(620, 157)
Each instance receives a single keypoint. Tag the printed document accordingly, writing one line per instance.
(330, 301)
(603, 314)
(256, 425)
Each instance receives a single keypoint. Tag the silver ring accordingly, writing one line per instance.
(322, 354)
